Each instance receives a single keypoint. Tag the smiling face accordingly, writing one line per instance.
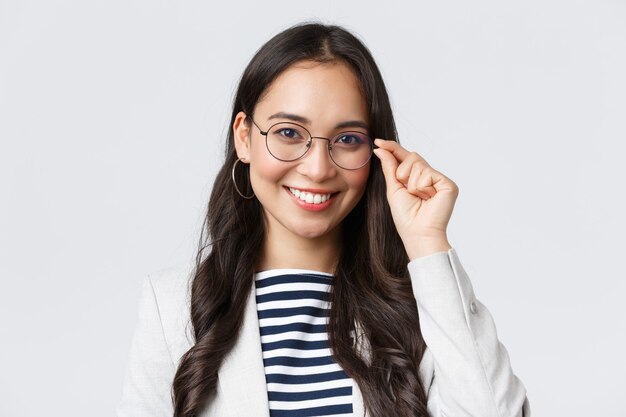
(307, 198)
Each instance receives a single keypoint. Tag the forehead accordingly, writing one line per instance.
(322, 92)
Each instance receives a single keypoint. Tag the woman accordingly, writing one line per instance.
(325, 284)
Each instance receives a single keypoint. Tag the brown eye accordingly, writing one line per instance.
(350, 139)
(289, 133)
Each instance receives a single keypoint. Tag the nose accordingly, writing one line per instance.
(316, 163)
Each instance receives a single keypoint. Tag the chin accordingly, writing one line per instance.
(312, 232)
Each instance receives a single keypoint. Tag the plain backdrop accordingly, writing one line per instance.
(113, 116)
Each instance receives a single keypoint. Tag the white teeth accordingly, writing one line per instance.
(310, 198)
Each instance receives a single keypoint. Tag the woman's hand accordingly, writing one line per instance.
(421, 199)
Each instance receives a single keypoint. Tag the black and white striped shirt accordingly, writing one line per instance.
(302, 377)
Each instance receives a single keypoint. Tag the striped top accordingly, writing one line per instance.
(302, 377)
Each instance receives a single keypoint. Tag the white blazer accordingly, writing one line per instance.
(465, 369)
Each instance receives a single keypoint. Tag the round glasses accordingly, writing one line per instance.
(287, 141)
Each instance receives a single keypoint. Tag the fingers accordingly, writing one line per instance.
(408, 169)
(392, 146)
(389, 165)
(422, 184)
(396, 149)
(412, 165)
(406, 160)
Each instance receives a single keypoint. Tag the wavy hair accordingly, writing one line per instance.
(372, 294)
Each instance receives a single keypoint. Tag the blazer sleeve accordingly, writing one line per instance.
(150, 370)
(472, 370)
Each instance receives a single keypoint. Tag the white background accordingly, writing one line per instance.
(113, 116)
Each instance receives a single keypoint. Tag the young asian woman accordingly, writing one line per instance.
(325, 283)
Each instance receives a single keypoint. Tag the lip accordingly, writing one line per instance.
(310, 206)
(311, 190)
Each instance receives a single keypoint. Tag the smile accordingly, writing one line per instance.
(308, 197)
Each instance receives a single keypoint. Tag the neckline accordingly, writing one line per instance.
(286, 271)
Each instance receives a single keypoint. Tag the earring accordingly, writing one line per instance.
(235, 182)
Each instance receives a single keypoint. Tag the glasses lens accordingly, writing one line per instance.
(351, 150)
(287, 141)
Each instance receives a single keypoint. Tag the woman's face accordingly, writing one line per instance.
(322, 97)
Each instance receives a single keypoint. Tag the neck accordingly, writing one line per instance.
(283, 249)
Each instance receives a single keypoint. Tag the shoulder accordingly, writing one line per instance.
(171, 286)
(172, 296)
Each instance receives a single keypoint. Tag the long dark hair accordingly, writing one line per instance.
(372, 292)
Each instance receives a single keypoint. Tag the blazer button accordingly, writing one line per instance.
(473, 308)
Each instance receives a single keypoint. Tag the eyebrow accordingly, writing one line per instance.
(301, 119)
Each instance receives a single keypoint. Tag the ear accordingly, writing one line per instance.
(241, 133)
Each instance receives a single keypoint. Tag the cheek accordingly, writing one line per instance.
(266, 170)
(260, 165)
(358, 180)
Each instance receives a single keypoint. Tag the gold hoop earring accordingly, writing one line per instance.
(232, 174)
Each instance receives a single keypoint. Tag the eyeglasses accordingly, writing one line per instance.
(287, 141)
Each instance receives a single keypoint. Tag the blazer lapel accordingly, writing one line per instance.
(242, 374)
(358, 408)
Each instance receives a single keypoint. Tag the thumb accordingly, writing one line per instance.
(389, 165)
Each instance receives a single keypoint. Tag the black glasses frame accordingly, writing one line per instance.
(310, 142)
